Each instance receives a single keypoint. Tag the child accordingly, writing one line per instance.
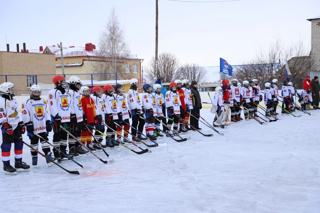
(149, 104)
(305, 99)
(187, 100)
(100, 115)
(218, 107)
(183, 108)
(158, 96)
(173, 107)
(268, 100)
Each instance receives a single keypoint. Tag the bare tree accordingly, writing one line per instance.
(192, 72)
(167, 66)
(112, 46)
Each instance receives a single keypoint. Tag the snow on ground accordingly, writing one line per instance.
(273, 168)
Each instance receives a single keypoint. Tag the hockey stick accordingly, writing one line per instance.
(206, 123)
(70, 172)
(177, 134)
(39, 136)
(206, 135)
(94, 138)
(103, 161)
(302, 109)
(289, 111)
(130, 142)
(270, 120)
(167, 134)
(256, 119)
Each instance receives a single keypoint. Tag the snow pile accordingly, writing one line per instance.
(272, 168)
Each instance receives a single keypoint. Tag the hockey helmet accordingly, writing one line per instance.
(308, 90)
(96, 89)
(134, 81)
(56, 79)
(156, 87)
(146, 87)
(267, 85)
(83, 89)
(173, 84)
(6, 87)
(274, 81)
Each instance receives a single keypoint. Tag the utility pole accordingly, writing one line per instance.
(156, 54)
(62, 64)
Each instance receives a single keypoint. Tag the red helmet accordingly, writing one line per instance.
(57, 78)
(107, 87)
(95, 89)
(225, 82)
(173, 84)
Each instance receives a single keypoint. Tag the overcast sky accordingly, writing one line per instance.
(195, 32)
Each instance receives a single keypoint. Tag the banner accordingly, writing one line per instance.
(225, 67)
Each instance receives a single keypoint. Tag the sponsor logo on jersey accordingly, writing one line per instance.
(1, 109)
(102, 106)
(145, 96)
(138, 98)
(22, 106)
(123, 104)
(64, 102)
(153, 102)
(50, 96)
(176, 101)
(130, 96)
(8, 104)
(190, 97)
(160, 102)
(13, 115)
(39, 111)
(114, 105)
(79, 104)
(1, 115)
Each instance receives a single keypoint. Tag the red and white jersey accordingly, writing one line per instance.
(159, 101)
(111, 106)
(285, 91)
(149, 102)
(236, 93)
(9, 112)
(306, 97)
(173, 100)
(75, 104)
(100, 106)
(291, 90)
(217, 100)
(188, 97)
(134, 100)
(122, 106)
(247, 94)
(37, 112)
(59, 104)
(267, 96)
(230, 96)
(256, 90)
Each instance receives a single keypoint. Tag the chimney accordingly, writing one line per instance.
(24, 47)
(8, 48)
(89, 47)
(41, 48)
(17, 48)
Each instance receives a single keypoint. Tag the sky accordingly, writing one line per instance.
(194, 32)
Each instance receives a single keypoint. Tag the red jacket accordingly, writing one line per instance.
(181, 94)
(307, 84)
(89, 108)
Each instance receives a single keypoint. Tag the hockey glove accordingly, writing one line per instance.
(84, 119)
(48, 126)
(57, 121)
(108, 118)
(260, 98)
(30, 127)
(73, 119)
(171, 110)
(22, 127)
(7, 129)
(98, 120)
(150, 111)
(120, 116)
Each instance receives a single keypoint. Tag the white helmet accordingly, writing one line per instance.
(178, 81)
(234, 80)
(274, 80)
(245, 82)
(35, 87)
(290, 84)
(185, 81)
(239, 84)
(156, 87)
(74, 80)
(255, 80)
(5, 87)
(134, 81)
(218, 89)
(83, 89)
(267, 85)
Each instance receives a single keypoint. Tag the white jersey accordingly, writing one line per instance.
(37, 112)
(285, 92)
(9, 112)
(267, 96)
(188, 97)
(236, 93)
(100, 106)
(173, 100)
(122, 106)
(111, 106)
(257, 92)
(291, 91)
(217, 101)
(59, 104)
(305, 96)
(149, 102)
(75, 104)
(159, 101)
(247, 94)
(276, 92)
(133, 100)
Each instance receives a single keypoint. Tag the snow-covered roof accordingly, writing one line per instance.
(316, 17)
(103, 83)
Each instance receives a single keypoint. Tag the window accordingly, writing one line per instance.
(127, 68)
(134, 68)
(31, 79)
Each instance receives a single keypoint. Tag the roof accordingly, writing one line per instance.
(102, 83)
(317, 17)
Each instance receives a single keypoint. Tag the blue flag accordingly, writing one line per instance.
(225, 67)
(287, 71)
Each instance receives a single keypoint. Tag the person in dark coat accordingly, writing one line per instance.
(315, 92)
(196, 100)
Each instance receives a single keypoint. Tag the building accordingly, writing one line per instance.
(315, 46)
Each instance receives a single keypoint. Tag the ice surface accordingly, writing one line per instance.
(254, 168)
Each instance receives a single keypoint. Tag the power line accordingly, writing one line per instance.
(203, 1)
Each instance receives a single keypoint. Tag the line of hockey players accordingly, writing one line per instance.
(70, 106)
(229, 100)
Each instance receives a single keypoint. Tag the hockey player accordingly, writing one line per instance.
(89, 119)
(257, 95)
(236, 97)
(59, 106)
(218, 107)
(173, 104)
(275, 93)
(37, 120)
(226, 99)
(247, 96)
(111, 115)
(76, 114)
(135, 106)
(150, 108)
(285, 92)
(305, 99)
(187, 100)
(123, 114)
(292, 93)
(159, 105)
(100, 115)
(268, 100)
(12, 129)
(183, 108)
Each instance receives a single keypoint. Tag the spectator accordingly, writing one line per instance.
(307, 83)
(315, 92)
(196, 99)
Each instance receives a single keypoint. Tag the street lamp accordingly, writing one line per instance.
(62, 64)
